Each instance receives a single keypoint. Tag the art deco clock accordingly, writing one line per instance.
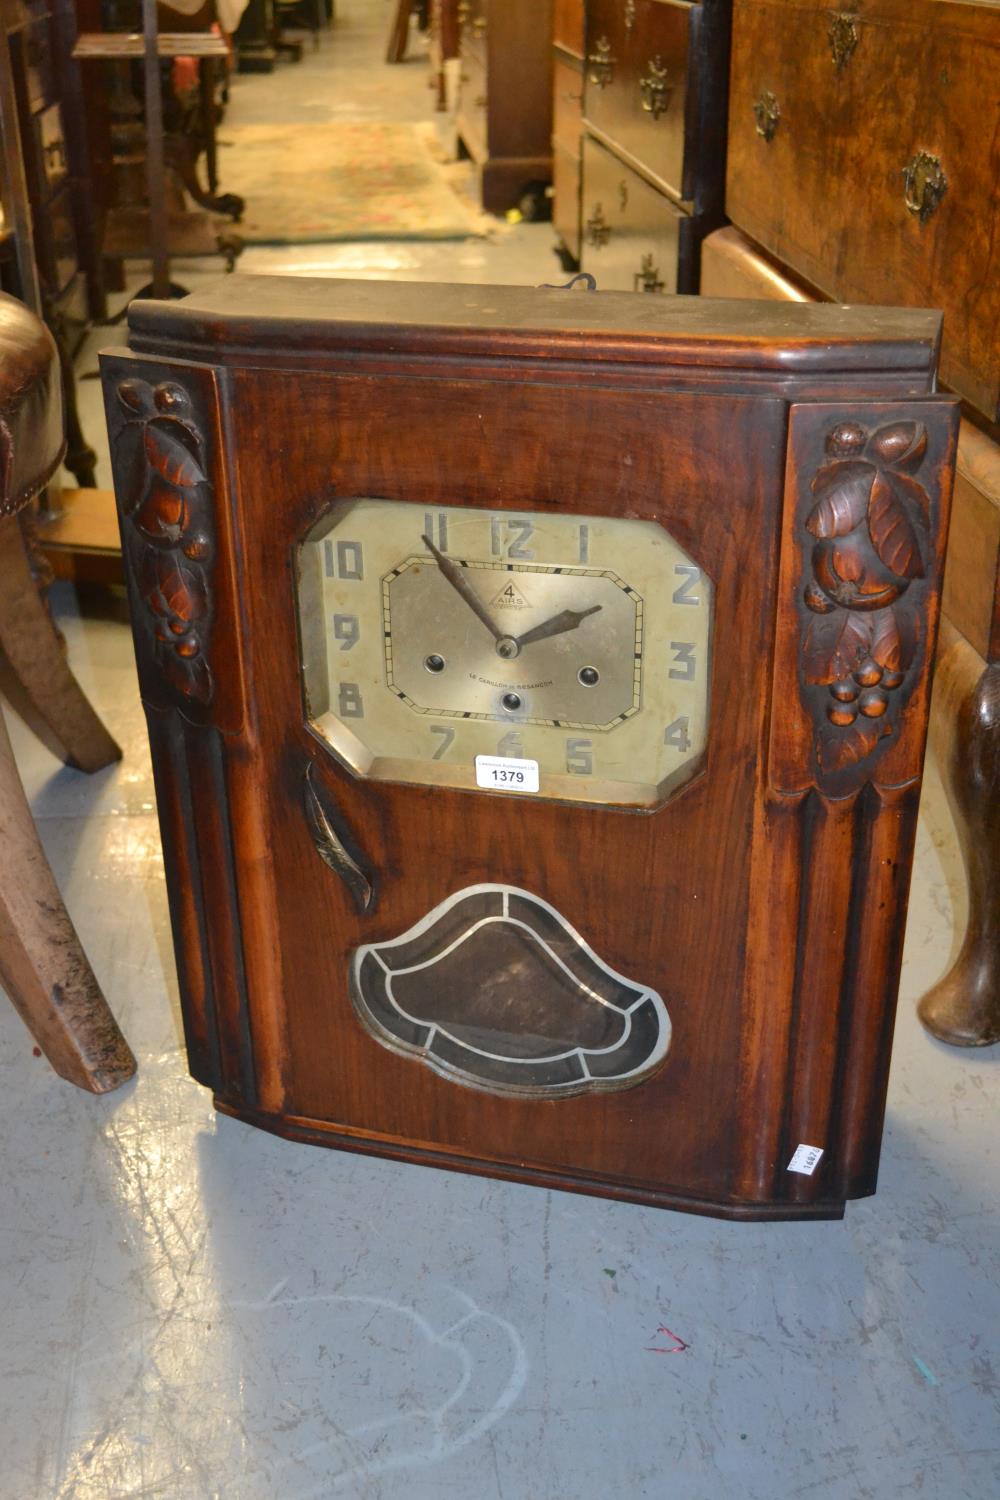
(537, 685)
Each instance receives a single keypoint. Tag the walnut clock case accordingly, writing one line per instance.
(537, 686)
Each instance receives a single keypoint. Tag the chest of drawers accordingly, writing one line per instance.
(864, 152)
(655, 101)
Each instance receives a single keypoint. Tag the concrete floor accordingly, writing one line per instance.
(194, 1310)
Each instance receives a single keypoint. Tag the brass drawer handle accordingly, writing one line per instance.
(479, 26)
(843, 36)
(597, 230)
(601, 64)
(767, 113)
(924, 185)
(629, 15)
(655, 89)
(647, 278)
(463, 11)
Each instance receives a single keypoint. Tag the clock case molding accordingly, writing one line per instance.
(801, 456)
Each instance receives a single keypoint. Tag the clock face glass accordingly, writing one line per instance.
(554, 655)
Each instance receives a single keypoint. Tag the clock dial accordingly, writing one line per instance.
(577, 645)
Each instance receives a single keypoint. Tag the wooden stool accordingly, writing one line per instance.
(42, 965)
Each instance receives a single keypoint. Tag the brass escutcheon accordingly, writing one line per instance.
(655, 89)
(601, 64)
(924, 184)
(844, 36)
(647, 278)
(597, 230)
(767, 113)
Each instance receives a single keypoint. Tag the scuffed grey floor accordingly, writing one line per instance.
(194, 1310)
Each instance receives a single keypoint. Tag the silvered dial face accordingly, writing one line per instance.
(577, 643)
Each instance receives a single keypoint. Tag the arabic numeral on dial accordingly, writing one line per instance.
(684, 669)
(685, 592)
(346, 630)
(349, 703)
(676, 734)
(436, 527)
(584, 544)
(510, 538)
(580, 757)
(447, 739)
(344, 560)
(510, 745)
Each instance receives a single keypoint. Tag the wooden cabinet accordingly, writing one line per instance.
(863, 154)
(751, 923)
(504, 114)
(635, 237)
(567, 125)
(655, 98)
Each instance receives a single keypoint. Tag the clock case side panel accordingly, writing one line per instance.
(838, 797)
(166, 424)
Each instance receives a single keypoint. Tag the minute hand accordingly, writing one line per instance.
(567, 619)
(461, 585)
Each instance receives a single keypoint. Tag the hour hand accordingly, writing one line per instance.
(461, 585)
(567, 619)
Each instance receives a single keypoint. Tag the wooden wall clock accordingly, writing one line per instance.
(537, 686)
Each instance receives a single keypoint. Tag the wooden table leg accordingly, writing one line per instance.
(964, 1007)
(31, 646)
(42, 965)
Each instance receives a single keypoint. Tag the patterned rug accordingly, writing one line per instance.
(342, 181)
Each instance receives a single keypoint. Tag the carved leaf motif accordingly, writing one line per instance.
(900, 443)
(835, 645)
(843, 490)
(838, 752)
(908, 489)
(170, 457)
(180, 591)
(892, 532)
(886, 647)
(163, 515)
(191, 676)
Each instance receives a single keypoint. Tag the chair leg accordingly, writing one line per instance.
(31, 646)
(42, 965)
(964, 1007)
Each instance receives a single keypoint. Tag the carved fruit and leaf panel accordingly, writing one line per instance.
(166, 525)
(870, 520)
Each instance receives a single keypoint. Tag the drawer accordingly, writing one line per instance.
(566, 199)
(567, 113)
(638, 83)
(632, 234)
(862, 153)
(568, 24)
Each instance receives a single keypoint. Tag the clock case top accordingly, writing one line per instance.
(238, 414)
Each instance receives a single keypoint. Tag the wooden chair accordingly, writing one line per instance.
(42, 965)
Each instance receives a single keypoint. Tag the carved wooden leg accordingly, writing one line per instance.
(42, 965)
(31, 646)
(964, 1007)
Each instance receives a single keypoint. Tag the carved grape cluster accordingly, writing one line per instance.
(165, 503)
(870, 520)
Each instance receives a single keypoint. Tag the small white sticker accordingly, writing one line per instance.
(503, 775)
(805, 1160)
